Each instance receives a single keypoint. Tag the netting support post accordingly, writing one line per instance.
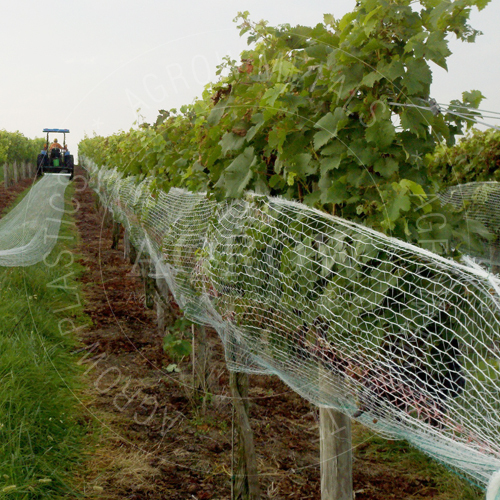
(495, 255)
(15, 168)
(98, 206)
(149, 283)
(335, 455)
(201, 362)
(107, 217)
(161, 314)
(165, 314)
(245, 477)
(131, 251)
(6, 177)
(126, 245)
(116, 235)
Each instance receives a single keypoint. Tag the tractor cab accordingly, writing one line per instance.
(55, 157)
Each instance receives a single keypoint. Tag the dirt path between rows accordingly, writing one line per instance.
(155, 441)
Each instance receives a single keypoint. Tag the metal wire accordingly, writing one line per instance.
(467, 116)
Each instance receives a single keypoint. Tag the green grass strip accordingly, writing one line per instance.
(42, 432)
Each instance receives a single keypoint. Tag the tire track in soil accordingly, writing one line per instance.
(155, 443)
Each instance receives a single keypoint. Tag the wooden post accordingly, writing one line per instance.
(6, 177)
(126, 245)
(168, 313)
(161, 314)
(149, 283)
(495, 255)
(246, 480)
(15, 168)
(335, 455)
(149, 292)
(132, 253)
(99, 207)
(107, 216)
(165, 313)
(116, 235)
(201, 362)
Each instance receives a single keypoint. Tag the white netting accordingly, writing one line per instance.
(399, 338)
(480, 202)
(30, 230)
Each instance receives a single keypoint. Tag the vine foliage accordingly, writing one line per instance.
(475, 158)
(325, 115)
(14, 146)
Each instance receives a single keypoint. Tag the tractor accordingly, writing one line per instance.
(54, 158)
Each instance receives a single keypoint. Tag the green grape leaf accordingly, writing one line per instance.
(301, 164)
(386, 166)
(418, 77)
(231, 142)
(400, 202)
(436, 48)
(381, 133)
(474, 98)
(336, 193)
(238, 173)
(270, 96)
(391, 71)
(371, 78)
(330, 163)
(329, 126)
(416, 120)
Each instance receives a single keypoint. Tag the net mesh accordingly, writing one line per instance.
(30, 230)
(480, 202)
(400, 339)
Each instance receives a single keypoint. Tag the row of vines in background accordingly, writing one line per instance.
(15, 147)
(471, 165)
(475, 158)
(324, 115)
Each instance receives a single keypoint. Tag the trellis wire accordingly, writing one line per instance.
(400, 339)
(436, 108)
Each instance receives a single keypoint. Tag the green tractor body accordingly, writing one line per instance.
(54, 158)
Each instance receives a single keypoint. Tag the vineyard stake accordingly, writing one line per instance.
(15, 168)
(246, 480)
(335, 455)
(6, 175)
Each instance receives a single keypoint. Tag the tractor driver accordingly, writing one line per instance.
(55, 144)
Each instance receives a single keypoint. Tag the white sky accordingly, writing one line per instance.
(87, 65)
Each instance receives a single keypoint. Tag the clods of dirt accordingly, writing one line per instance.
(8, 195)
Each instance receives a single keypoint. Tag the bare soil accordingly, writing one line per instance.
(156, 439)
(8, 195)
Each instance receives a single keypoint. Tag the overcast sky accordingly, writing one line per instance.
(87, 65)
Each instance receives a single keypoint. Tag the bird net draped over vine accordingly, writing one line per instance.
(30, 230)
(404, 341)
(480, 202)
